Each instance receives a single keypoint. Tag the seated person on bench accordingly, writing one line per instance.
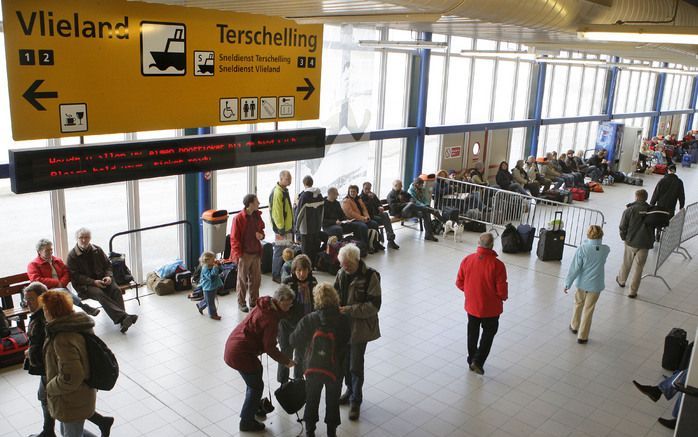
(376, 212)
(92, 277)
(52, 272)
(334, 222)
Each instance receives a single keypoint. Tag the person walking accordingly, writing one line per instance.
(667, 193)
(587, 270)
(251, 338)
(281, 212)
(483, 280)
(309, 218)
(359, 289)
(210, 283)
(638, 240)
(246, 250)
(323, 338)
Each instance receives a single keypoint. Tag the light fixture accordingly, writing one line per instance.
(635, 33)
(366, 18)
(564, 61)
(403, 44)
(656, 69)
(496, 54)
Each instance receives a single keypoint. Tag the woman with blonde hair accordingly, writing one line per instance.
(588, 270)
(323, 336)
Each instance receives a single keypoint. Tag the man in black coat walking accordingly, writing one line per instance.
(668, 191)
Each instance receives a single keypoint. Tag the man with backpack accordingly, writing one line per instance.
(638, 240)
(281, 212)
(323, 336)
(483, 280)
(359, 289)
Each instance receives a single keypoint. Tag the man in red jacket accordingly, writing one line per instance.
(246, 250)
(483, 280)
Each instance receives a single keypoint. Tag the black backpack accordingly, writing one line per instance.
(511, 240)
(104, 369)
(321, 354)
(122, 274)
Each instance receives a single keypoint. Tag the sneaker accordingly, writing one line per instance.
(344, 399)
(619, 284)
(253, 304)
(393, 245)
(669, 423)
(251, 425)
(475, 367)
(243, 308)
(201, 309)
(127, 322)
(90, 310)
(354, 411)
(652, 392)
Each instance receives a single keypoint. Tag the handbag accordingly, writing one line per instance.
(291, 395)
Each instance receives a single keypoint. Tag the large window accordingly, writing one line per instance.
(483, 76)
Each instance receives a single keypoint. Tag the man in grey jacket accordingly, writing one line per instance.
(638, 239)
(359, 289)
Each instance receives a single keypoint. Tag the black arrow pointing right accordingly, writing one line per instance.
(309, 88)
(32, 95)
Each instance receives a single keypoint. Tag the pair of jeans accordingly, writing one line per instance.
(354, 372)
(209, 302)
(277, 260)
(313, 390)
(253, 394)
(477, 353)
(75, 429)
(669, 391)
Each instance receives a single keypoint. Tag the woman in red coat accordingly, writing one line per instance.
(53, 273)
(252, 337)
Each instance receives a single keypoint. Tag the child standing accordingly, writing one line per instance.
(210, 283)
(287, 256)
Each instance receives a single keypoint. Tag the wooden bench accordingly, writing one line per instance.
(395, 219)
(9, 287)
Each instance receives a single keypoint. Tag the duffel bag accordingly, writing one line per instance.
(159, 285)
(12, 347)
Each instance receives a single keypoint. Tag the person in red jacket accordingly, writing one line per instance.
(254, 336)
(53, 273)
(483, 280)
(246, 250)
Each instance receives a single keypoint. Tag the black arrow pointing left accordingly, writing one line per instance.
(32, 95)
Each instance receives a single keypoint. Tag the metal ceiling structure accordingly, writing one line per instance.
(544, 24)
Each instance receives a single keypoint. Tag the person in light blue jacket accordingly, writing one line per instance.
(588, 270)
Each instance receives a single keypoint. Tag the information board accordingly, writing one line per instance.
(85, 67)
(43, 169)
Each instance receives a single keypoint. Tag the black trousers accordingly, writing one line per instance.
(310, 245)
(313, 390)
(283, 336)
(110, 298)
(477, 353)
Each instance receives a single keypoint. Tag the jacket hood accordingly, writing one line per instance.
(328, 315)
(314, 191)
(636, 203)
(485, 251)
(265, 304)
(74, 322)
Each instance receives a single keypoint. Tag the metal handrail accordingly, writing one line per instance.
(148, 228)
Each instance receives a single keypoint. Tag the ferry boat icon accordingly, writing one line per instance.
(207, 66)
(169, 58)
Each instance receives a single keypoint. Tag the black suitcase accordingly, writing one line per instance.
(267, 256)
(674, 346)
(511, 240)
(183, 280)
(291, 395)
(551, 243)
(527, 234)
(449, 213)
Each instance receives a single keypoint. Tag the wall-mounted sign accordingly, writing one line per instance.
(451, 152)
(85, 67)
(44, 169)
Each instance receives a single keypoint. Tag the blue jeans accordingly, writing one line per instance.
(669, 391)
(354, 372)
(210, 302)
(253, 395)
(277, 261)
(75, 429)
(359, 229)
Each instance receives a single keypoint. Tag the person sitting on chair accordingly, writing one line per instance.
(376, 212)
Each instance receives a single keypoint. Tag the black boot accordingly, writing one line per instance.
(104, 423)
(669, 423)
(650, 391)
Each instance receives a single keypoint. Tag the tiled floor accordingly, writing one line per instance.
(539, 381)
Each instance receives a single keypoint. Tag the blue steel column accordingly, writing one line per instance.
(611, 88)
(424, 57)
(537, 109)
(197, 198)
(657, 106)
(692, 103)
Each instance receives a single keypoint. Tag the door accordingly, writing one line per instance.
(497, 151)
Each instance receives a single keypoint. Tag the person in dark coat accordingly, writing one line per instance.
(302, 282)
(328, 318)
(335, 222)
(505, 180)
(92, 277)
(667, 193)
(253, 337)
(309, 218)
(638, 241)
(376, 212)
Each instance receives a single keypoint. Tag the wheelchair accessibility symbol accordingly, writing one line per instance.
(228, 109)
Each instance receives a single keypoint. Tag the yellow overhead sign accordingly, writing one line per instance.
(86, 67)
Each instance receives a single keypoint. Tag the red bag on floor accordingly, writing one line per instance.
(12, 347)
(579, 194)
(660, 168)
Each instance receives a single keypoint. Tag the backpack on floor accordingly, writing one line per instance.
(229, 276)
(104, 369)
(321, 356)
(12, 346)
(511, 241)
(291, 395)
(437, 227)
(526, 233)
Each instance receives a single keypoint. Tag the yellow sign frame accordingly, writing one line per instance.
(88, 67)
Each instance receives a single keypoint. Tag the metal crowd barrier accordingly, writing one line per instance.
(496, 207)
(690, 227)
(669, 243)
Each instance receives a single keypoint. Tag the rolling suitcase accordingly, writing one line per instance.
(686, 160)
(551, 243)
(674, 346)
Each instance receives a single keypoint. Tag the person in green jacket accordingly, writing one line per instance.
(587, 270)
(281, 222)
